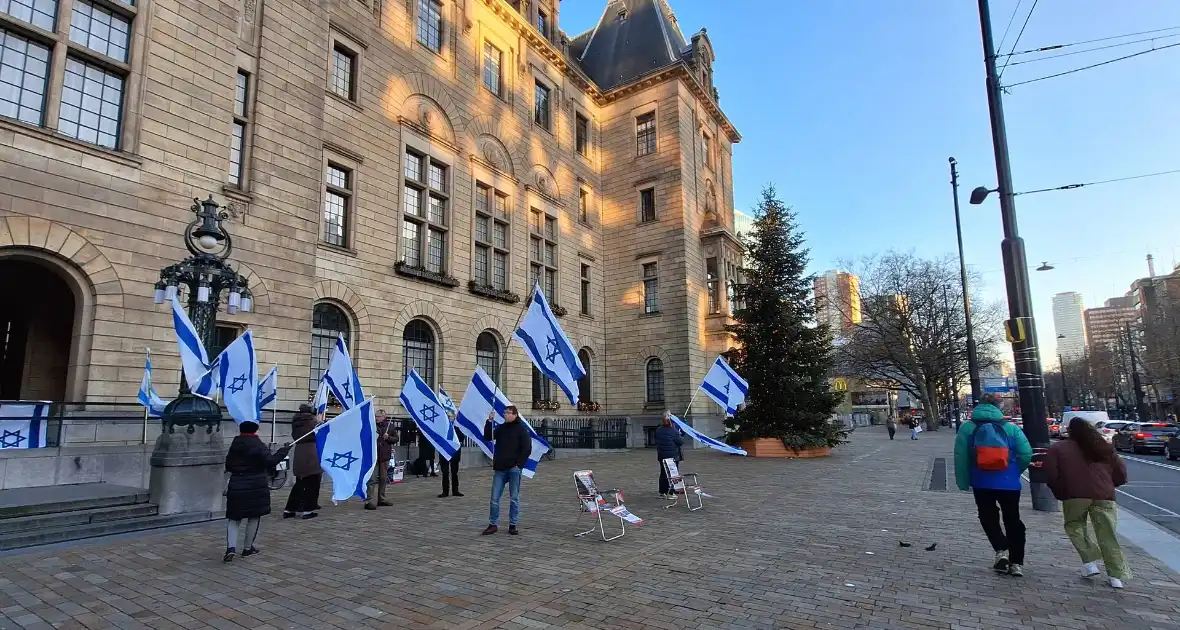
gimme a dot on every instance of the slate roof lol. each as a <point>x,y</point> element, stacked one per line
<point>632,38</point>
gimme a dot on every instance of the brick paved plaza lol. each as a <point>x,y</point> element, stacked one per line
<point>786,544</point>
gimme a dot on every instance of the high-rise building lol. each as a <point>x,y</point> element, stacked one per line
<point>1104,325</point>
<point>837,298</point>
<point>1070,324</point>
<point>398,173</point>
<point>742,222</point>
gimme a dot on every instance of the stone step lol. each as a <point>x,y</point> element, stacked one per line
<point>33,538</point>
<point>75,517</point>
<point>21,502</point>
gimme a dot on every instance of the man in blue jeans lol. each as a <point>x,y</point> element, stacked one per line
<point>512,446</point>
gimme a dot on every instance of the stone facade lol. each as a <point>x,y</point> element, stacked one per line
<point>337,94</point>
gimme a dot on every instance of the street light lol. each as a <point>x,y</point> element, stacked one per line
<point>1045,267</point>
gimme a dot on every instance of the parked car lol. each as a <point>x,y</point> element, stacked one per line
<point>1144,437</point>
<point>1172,448</point>
<point>1109,428</point>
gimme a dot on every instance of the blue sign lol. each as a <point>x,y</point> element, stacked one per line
<point>998,385</point>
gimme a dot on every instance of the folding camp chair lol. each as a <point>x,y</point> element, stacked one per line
<point>591,501</point>
<point>681,486</point>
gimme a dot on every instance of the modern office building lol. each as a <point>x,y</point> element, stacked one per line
<point>1069,324</point>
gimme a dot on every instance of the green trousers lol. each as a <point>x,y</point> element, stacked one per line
<point>1103,517</point>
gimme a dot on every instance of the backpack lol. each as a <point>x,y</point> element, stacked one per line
<point>989,446</point>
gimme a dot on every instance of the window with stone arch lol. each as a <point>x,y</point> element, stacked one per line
<point>487,354</point>
<point>655,380</point>
<point>585,391</point>
<point>418,351</point>
<point>328,322</point>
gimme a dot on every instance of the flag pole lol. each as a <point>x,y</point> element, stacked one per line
<point>148,409</point>
<point>691,401</point>
<point>273,412</point>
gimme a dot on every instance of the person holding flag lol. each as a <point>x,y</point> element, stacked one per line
<point>449,469</point>
<point>247,494</point>
<point>385,443</point>
<point>512,448</point>
<point>668,443</point>
<point>305,495</point>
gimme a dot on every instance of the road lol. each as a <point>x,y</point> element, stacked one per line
<point>1153,489</point>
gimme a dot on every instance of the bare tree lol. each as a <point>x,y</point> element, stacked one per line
<point>912,329</point>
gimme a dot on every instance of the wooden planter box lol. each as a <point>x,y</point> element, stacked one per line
<point>770,447</point>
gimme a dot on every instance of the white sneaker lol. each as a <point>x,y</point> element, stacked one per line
<point>1116,583</point>
<point>1090,569</point>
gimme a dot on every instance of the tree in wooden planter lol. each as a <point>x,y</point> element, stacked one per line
<point>782,351</point>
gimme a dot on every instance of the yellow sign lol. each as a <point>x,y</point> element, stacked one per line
<point>840,384</point>
<point>1014,330</point>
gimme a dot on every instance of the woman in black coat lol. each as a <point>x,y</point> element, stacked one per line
<point>247,495</point>
<point>668,443</point>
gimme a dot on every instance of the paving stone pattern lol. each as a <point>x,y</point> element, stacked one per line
<point>786,544</point>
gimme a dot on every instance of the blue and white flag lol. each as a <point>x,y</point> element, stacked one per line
<point>704,439</point>
<point>347,446</point>
<point>430,416</point>
<point>320,402</point>
<point>548,347</point>
<point>198,372</point>
<point>444,399</point>
<point>341,376</point>
<point>22,424</point>
<point>147,394</point>
<point>480,399</point>
<point>268,390</point>
<point>238,365</point>
<point>725,387</point>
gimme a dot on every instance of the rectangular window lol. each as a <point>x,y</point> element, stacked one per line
<point>543,23</point>
<point>424,212</point>
<point>713,281</point>
<point>707,149</point>
<point>343,72</point>
<point>584,206</point>
<point>581,135</point>
<point>541,105</point>
<point>24,71</point>
<point>647,205</point>
<point>493,59</point>
<point>430,24</point>
<point>39,13</point>
<point>651,288</point>
<point>585,289</point>
<point>91,103</point>
<point>541,390</point>
<point>100,30</point>
<point>543,253</point>
<point>645,134</point>
<point>337,205</point>
<point>491,237</point>
<point>237,148</point>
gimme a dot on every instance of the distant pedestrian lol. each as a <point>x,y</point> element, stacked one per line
<point>915,428</point>
<point>668,444</point>
<point>891,426</point>
<point>304,500</point>
<point>247,495</point>
<point>1083,472</point>
<point>512,448</point>
<point>990,455</point>
<point>386,440</point>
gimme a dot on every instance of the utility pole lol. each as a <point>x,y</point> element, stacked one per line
<point>1140,407</point>
<point>950,339</point>
<point>1030,378</point>
<point>972,359</point>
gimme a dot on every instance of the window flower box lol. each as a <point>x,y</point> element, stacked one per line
<point>421,273</point>
<point>492,293</point>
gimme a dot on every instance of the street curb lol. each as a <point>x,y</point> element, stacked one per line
<point>1154,540</point>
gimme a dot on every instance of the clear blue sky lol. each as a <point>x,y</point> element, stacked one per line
<point>852,107</point>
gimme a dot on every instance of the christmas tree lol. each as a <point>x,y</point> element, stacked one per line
<point>782,351</point>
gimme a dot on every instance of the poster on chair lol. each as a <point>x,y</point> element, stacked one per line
<point>674,475</point>
<point>22,424</point>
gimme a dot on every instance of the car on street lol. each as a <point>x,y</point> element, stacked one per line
<point>1109,428</point>
<point>1144,437</point>
<point>1055,428</point>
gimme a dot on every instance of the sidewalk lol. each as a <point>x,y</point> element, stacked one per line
<point>786,544</point>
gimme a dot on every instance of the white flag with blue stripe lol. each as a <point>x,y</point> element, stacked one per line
<point>320,402</point>
<point>238,368</point>
<point>347,446</point>
<point>480,399</point>
<point>341,376</point>
<point>147,394</point>
<point>725,387</point>
<point>23,424</point>
<point>548,348</point>
<point>444,399</point>
<point>198,372</point>
<point>704,439</point>
<point>268,390</point>
<point>428,413</point>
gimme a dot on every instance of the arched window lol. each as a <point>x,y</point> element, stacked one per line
<point>655,380</point>
<point>487,355</point>
<point>585,393</point>
<point>418,351</point>
<point>328,322</point>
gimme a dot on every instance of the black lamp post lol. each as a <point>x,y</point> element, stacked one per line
<point>205,276</point>
<point>1064,390</point>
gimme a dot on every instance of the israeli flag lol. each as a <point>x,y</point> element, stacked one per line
<point>480,399</point>
<point>268,390</point>
<point>341,377</point>
<point>548,347</point>
<point>320,402</point>
<point>238,367</point>
<point>347,446</point>
<point>704,439</point>
<point>444,399</point>
<point>199,374</point>
<point>430,416</point>
<point>22,424</point>
<point>147,394</point>
<point>725,387</point>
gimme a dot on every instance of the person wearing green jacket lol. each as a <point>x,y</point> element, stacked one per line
<point>996,491</point>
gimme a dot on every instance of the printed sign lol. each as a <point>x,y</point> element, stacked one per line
<point>397,473</point>
<point>674,477</point>
<point>622,512</point>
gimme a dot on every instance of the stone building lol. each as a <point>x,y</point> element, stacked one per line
<point>397,171</point>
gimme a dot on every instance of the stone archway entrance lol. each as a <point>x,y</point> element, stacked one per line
<point>38,313</point>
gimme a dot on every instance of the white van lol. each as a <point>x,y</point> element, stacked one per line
<point>1089,416</point>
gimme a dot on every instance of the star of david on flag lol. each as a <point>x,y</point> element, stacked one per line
<point>238,367</point>
<point>428,413</point>
<point>482,397</point>
<point>22,425</point>
<point>548,348</point>
<point>725,387</point>
<point>147,394</point>
<point>347,446</point>
<point>341,376</point>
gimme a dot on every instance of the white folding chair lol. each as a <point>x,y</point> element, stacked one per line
<point>680,485</point>
<point>591,501</point>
